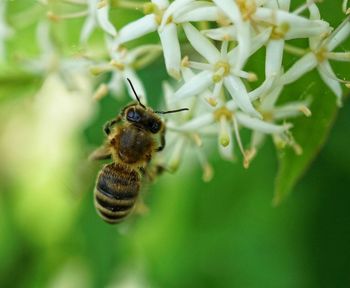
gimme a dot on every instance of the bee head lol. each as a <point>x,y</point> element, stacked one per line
<point>143,118</point>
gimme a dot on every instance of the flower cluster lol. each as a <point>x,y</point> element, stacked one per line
<point>212,78</point>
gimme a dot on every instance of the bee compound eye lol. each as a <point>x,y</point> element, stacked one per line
<point>154,127</point>
<point>133,116</point>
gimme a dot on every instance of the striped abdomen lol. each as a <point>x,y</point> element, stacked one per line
<point>116,192</point>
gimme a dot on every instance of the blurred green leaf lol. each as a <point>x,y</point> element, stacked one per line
<point>310,134</point>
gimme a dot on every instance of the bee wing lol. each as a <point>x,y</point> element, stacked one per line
<point>101,153</point>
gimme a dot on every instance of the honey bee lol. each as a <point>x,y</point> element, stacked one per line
<point>131,143</point>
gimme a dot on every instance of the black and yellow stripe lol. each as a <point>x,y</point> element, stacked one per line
<point>116,192</point>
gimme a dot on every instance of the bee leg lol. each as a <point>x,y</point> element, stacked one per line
<point>162,141</point>
<point>107,127</point>
<point>101,153</point>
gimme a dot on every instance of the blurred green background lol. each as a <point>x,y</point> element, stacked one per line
<point>224,233</point>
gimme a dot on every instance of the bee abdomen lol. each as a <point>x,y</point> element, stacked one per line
<point>116,192</point>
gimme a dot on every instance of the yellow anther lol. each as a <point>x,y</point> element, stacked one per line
<point>97,70</point>
<point>118,65</point>
<point>252,77</point>
<point>185,62</point>
<point>222,111</point>
<point>212,101</point>
<point>249,155</point>
<point>247,7</point>
<point>279,32</point>
<point>222,66</point>
<point>217,78</point>
<point>149,8</point>
<point>267,116</point>
<point>52,16</point>
<point>321,54</point>
<point>169,20</point>
<point>297,149</point>
<point>207,172</point>
<point>197,139</point>
<point>101,4</point>
<point>306,111</point>
<point>101,91</point>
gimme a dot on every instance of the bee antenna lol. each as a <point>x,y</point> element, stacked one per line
<point>137,97</point>
<point>171,111</point>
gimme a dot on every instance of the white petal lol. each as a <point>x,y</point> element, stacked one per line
<point>199,14</point>
<point>301,67</point>
<point>194,86</point>
<point>168,92</point>
<point>136,82</point>
<point>239,94</point>
<point>115,85</point>
<point>339,35</point>
<point>174,6</point>
<point>289,110</point>
<point>256,43</point>
<point>87,29</point>
<point>201,44</point>
<point>257,139</point>
<point>326,71</point>
<point>137,28</point>
<point>222,33</point>
<point>162,4</point>
<point>142,51</point>
<point>105,24</point>
<point>260,125</point>
<point>271,4</point>
<point>232,11</point>
<point>225,141</point>
<point>295,22</point>
<point>284,4</point>
<point>308,31</point>
<point>194,124</point>
<point>262,89</point>
<point>314,12</point>
<point>171,50</point>
<point>230,8</point>
<point>274,55</point>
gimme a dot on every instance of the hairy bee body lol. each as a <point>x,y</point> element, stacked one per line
<point>131,143</point>
<point>116,192</point>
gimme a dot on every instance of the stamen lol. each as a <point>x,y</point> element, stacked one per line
<point>224,137</point>
<point>54,17</point>
<point>239,141</point>
<point>335,32</point>
<point>305,6</point>
<point>305,110</point>
<point>101,91</point>
<point>199,66</point>
<point>250,154</point>
<point>98,70</point>
<point>176,156</point>
<point>75,2</point>
<point>185,62</point>
<point>207,168</point>
<point>101,4</point>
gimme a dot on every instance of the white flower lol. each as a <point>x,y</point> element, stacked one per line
<point>51,61</point>
<point>321,51</point>
<point>97,17</point>
<point>164,18</point>
<point>122,65</point>
<point>219,71</point>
